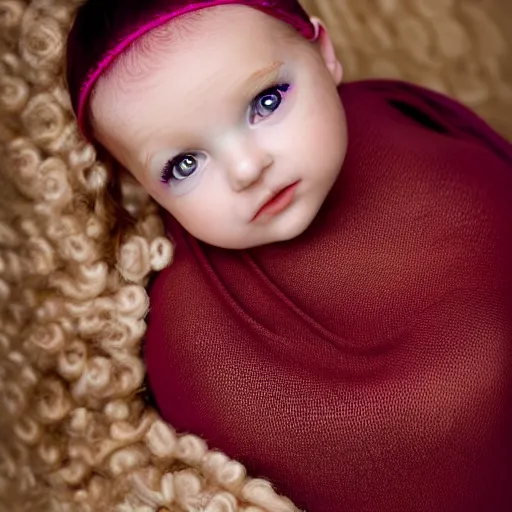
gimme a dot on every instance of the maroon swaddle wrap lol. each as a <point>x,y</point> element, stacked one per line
<point>365,365</point>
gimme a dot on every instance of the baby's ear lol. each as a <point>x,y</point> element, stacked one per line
<point>327,50</point>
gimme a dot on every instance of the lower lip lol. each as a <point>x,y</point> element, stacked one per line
<point>278,203</point>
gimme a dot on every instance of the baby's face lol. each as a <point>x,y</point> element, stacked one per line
<point>224,117</point>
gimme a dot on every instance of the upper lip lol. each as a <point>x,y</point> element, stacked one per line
<point>275,193</point>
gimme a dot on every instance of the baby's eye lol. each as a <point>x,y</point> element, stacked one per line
<point>268,101</point>
<point>180,167</point>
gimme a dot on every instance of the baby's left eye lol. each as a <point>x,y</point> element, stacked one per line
<point>268,101</point>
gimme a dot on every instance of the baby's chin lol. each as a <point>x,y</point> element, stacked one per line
<point>290,226</point>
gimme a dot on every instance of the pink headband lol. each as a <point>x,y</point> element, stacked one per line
<point>132,28</point>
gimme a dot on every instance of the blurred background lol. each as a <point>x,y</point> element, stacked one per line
<point>459,47</point>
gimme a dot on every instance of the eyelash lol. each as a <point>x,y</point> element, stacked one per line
<point>168,170</point>
<point>167,174</point>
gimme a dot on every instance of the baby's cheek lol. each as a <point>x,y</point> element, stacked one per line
<point>326,141</point>
<point>161,195</point>
<point>208,216</point>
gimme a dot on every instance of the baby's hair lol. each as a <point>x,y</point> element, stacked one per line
<point>75,432</point>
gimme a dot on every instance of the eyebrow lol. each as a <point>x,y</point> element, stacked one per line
<point>261,78</point>
<point>261,73</point>
<point>254,84</point>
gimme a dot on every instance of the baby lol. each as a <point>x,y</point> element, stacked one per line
<point>222,116</point>
<point>338,314</point>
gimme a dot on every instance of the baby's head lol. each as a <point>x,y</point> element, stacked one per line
<point>214,111</point>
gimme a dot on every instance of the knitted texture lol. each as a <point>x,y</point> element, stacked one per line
<point>364,365</point>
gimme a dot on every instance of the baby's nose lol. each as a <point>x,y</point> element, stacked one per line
<point>245,164</point>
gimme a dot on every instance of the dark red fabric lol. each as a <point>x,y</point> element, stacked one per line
<point>365,365</point>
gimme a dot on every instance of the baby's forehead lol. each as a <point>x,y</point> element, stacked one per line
<point>196,28</point>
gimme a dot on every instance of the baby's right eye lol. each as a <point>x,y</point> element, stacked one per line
<point>180,167</point>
